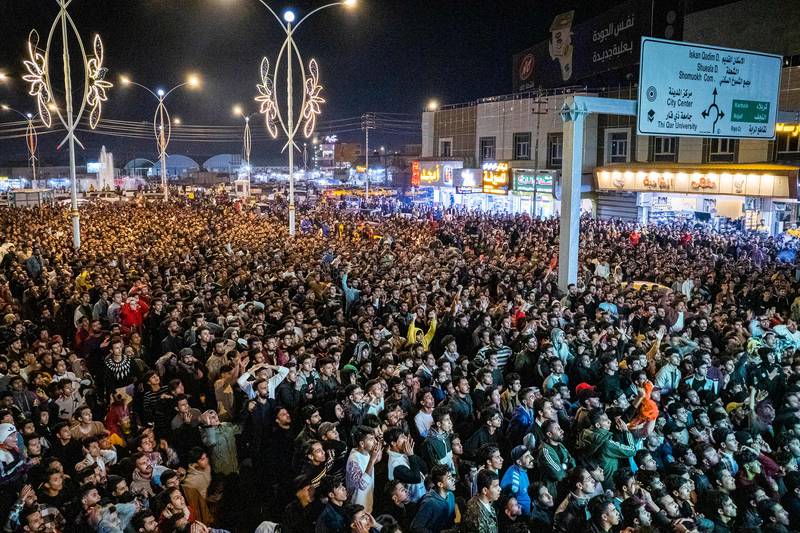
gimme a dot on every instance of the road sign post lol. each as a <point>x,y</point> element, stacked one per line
<point>696,90</point>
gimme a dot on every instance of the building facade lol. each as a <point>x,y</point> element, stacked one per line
<point>626,175</point>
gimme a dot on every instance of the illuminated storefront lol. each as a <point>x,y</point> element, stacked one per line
<point>530,184</point>
<point>707,192</point>
<point>469,189</point>
<point>439,176</point>
<point>496,185</point>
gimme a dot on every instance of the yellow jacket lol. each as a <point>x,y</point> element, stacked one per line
<point>413,330</point>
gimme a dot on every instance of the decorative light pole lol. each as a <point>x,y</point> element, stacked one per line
<point>162,125</point>
<point>310,107</point>
<point>247,141</point>
<point>31,137</point>
<point>92,96</point>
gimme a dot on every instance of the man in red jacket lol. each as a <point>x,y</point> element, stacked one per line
<point>131,316</point>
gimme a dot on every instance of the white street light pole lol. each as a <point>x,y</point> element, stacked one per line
<point>248,144</point>
<point>247,141</point>
<point>93,92</point>
<point>162,125</point>
<point>310,107</point>
<point>367,123</point>
<point>31,137</point>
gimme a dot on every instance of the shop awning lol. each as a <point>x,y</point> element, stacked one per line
<point>743,179</point>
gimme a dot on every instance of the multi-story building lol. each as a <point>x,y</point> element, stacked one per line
<point>518,137</point>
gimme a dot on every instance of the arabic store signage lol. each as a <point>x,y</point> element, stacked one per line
<point>694,90</point>
<point>439,173</point>
<point>695,182</point>
<point>495,178</point>
<point>525,181</point>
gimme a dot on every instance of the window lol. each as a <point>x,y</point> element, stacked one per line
<point>445,147</point>
<point>617,144</point>
<point>722,150</point>
<point>788,145</point>
<point>522,146</point>
<point>665,148</point>
<point>487,148</point>
<point>555,149</point>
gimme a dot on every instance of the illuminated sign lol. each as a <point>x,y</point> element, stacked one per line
<point>793,129</point>
<point>361,169</point>
<point>448,175</point>
<point>467,190</point>
<point>468,178</point>
<point>415,177</point>
<point>735,182</point>
<point>93,168</point>
<point>526,181</point>
<point>429,175</point>
<point>495,178</point>
<point>331,139</point>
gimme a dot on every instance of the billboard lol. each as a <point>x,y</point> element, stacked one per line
<point>576,52</point>
<point>696,90</point>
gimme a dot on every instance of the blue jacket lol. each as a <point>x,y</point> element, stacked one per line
<point>521,422</point>
<point>517,478</point>
<point>435,513</point>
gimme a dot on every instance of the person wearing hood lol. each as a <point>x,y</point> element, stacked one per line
<point>560,346</point>
<point>598,442</point>
<point>220,439</point>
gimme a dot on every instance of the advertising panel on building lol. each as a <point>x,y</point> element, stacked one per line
<point>496,178</point>
<point>578,51</point>
<point>435,173</point>
<point>469,181</point>
<point>528,181</point>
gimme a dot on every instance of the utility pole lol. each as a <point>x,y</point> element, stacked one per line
<point>538,112</point>
<point>367,123</point>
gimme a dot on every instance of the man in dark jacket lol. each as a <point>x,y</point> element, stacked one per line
<point>333,518</point>
<point>437,510</point>
<point>488,433</point>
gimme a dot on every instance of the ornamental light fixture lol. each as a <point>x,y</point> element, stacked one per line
<point>93,93</point>
<point>283,121</point>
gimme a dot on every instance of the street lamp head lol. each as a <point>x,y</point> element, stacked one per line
<point>288,16</point>
<point>124,80</point>
<point>238,111</point>
<point>433,105</point>
<point>160,92</point>
<point>4,107</point>
<point>29,115</point>
<point>52,107</point>
<point>3,77</point>
<point>349,3</point>
<point>194,81</point>
<point>176,121</point>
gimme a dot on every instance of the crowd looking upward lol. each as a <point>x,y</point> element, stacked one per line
<point>193,368</point>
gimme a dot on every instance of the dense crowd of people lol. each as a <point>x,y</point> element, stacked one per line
<point>192,368</point>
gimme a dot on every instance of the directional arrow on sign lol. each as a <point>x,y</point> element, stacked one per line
<point>718,113</point>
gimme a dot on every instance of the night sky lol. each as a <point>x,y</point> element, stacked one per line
<point>385,55</point>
